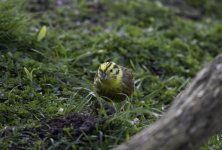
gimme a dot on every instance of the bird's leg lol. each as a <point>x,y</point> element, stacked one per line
<point>103,107</point>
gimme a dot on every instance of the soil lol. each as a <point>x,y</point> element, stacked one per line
<point>70,126</point>
<point>184,10</point>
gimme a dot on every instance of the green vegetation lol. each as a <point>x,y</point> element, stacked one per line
<point>51,76</point>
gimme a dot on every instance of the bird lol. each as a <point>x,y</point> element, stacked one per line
<point>114,82</point>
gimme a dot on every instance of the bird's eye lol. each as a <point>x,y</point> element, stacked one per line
<point>111,70</point>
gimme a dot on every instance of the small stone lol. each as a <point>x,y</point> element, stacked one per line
<point>61,110</point>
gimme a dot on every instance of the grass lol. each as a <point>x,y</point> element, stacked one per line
<point>53,77</point>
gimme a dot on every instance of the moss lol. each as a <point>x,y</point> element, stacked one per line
<point>13,26</point>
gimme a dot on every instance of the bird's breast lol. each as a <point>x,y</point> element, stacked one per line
<point>111,85</point>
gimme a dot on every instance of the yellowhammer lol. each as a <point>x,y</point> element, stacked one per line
<point>113,82</point>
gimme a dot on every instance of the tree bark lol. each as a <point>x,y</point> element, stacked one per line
<point>195,115</point>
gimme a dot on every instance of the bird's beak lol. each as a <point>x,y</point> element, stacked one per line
<point>104,76</point>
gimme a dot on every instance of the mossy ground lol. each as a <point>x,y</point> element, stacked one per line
<point>162,41</point>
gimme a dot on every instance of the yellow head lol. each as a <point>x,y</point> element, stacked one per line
<point>109,72</point>
<point>113,82</point>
